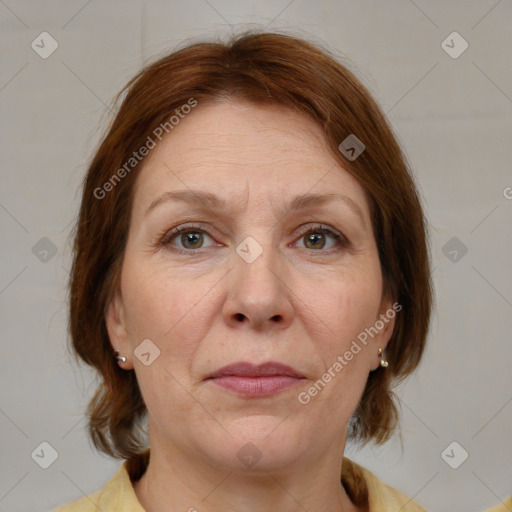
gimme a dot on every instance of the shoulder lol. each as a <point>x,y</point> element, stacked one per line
<point>85,504</point>
<point>505,506</point>
<point>117,494</point>
<point>364,485</point>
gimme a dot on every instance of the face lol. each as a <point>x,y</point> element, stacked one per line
<point>249,278</point>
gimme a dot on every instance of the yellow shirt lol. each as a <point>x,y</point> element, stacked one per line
<point>360,484</point>
<point>506,506</point>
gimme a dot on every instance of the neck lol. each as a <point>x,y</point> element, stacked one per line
<point>175,481</point>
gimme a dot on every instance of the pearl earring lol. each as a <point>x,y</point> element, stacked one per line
<point>119,359</point>
<point>383,362</point>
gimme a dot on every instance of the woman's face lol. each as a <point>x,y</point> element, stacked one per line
<point>248,279</point>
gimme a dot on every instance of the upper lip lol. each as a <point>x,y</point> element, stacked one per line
<point>244,369</point>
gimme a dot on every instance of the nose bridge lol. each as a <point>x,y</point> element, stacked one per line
<point>257,292</point>
<point>256,262</point>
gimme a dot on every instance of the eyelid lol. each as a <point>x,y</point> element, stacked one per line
<point>340,238</point>
<point>169,234</point>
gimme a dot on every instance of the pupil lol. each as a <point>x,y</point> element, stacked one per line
<point>315,238</point>
<point>189,237</point>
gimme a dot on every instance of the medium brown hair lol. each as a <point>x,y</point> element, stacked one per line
<point>266,69</point>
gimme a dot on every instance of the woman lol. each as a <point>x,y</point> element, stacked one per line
<point>251,275</point>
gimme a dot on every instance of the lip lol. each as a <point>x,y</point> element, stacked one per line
<point>244,369</point>
<point>248,380</point>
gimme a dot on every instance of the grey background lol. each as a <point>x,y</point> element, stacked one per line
<point>452,116</point>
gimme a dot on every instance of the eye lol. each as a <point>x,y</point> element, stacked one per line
<point>315,238</point>
<point>190,237</point>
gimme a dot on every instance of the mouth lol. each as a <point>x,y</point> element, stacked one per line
<point>247,380</point>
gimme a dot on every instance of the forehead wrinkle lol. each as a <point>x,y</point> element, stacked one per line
<point>266,153</point>
<point>234,139</point>
<point>307,151</point>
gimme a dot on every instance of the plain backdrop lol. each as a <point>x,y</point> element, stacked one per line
<point>451,113</point>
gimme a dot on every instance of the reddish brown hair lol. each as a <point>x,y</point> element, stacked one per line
<point>264,68</point>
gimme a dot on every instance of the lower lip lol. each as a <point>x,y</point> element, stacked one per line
<point>256,386</point>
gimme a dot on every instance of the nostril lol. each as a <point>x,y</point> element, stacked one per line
<point>240,317</point>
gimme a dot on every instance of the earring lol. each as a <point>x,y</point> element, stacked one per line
<point>383,362</point>
<point>119,359</point>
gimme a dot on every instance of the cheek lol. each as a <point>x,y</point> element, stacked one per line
<point>348,305</point>
<point>348,309</point>
<point>155,300</point>
<point>148,303</point>
<point>168,311</point>
<point>171,310</point>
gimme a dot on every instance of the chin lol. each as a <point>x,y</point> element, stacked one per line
<point>260,442</point>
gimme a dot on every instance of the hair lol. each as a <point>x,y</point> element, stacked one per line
<point>265,69</point>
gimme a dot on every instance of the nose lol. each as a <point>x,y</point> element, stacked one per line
<point>258,296</point>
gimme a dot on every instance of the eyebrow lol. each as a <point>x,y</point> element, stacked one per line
<point>206,200</point>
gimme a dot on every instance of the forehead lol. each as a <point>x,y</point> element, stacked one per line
<point>239,150</point>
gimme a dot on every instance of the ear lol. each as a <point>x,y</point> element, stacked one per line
<point>384,324</point>
<point>117,331</point>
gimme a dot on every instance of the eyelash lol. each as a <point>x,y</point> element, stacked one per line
<point>168,236</point>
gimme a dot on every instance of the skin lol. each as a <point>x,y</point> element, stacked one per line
<point>298,303</point>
